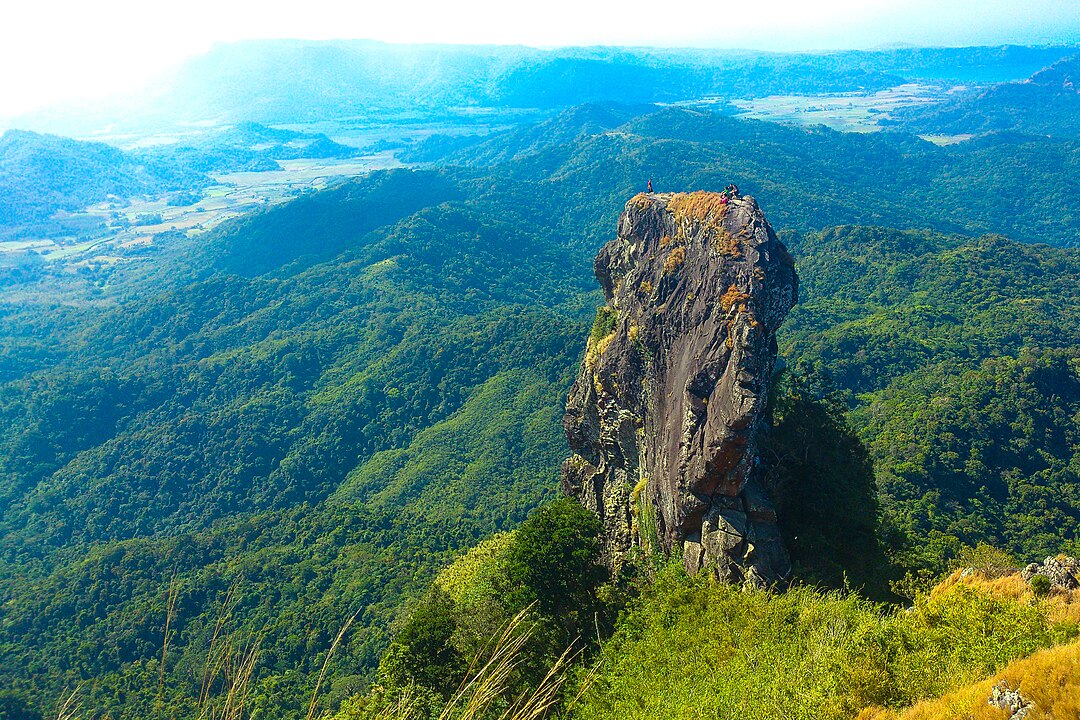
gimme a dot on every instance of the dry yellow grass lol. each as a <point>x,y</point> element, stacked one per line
<point>727,244</point>
<point>602,333</point>
<point>1061,605</point>
<point>1049,678</point>
<point>599,348</point>
<point>699,206</point>
<point>733,298</point>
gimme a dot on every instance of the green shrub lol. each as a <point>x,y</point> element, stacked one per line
<point>986,559</point>
<point>555,562</point>
<point>544,577</point>
<point>604,324</point>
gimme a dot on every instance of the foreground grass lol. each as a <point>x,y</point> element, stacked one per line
<point>692,649</point>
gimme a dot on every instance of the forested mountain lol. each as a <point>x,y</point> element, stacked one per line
<point>1047,103</point>
<point>308,411</point>
<point>813,177</point>
<point>42,174</point>
<point>221,399</point>
<point>959,360</point>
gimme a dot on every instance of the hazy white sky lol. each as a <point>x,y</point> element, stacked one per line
<point>53,50</point>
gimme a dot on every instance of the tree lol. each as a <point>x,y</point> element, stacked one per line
<point>555,562</point>
<point>423,652</point>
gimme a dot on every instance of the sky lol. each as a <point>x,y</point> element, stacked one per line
<point>55,51</point>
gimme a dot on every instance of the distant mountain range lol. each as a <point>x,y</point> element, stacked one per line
<point>290,81</point>
<point>1047,103</point>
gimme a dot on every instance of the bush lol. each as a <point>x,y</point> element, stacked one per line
<point>1040,585</point>
<point>423,653</point>
<point>555,562</point>
<point>544,577</point>
<point>986,559</point>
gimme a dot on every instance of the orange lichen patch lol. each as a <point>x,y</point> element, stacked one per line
<point>642,201</point>
<point>675,259</point>
<point>665,241</point>
<point>646,287</point>
<point>727,244</point>
<point>733,297</point>
<point>1050,679</point>
<point>1061,605</point>
<point>700,206</point>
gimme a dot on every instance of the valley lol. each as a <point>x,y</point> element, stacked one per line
<point>127,227</point>
<point>845,112</point>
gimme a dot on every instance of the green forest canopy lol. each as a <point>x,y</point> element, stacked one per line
<point>319,405</point>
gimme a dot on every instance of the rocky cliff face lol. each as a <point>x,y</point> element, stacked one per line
<point>664,414</point>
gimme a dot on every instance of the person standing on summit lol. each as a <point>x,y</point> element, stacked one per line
<point>649,190</point>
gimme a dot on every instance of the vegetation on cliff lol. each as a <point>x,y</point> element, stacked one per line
<point>684,646</point>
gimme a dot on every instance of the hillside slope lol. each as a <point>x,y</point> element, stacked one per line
<point>805,654</point>
<point>1047,104</point>
<point>807,179</point>
<point>324,402</point>
<point>43,174</point>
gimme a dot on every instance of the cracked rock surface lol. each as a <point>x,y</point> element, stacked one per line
<point>663,417</point>
<point>1062,571</point>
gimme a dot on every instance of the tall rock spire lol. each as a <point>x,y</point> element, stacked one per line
<point>663,417</point>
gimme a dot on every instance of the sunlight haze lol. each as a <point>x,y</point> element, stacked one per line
<point>56,51</point>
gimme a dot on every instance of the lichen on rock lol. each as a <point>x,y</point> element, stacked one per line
<point>664,415</point>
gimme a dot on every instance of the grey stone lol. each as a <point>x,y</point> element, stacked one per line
<point>1005,698</point>
<point>1062,571</point>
